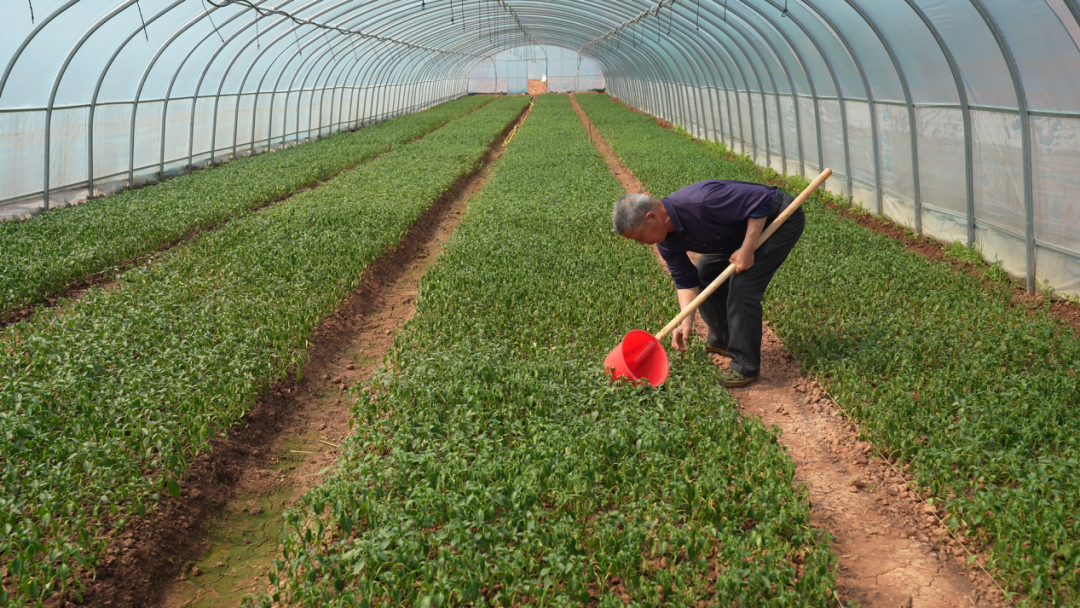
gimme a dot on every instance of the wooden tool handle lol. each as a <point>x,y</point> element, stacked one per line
<point>730,270</point>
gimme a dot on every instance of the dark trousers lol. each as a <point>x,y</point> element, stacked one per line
<point>733,312</point>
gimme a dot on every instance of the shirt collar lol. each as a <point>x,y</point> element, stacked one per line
<point>675,221</point>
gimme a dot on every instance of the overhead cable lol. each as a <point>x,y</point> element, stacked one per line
<point>348,32</point>
<point>614,31</point>
<point>143,19</point>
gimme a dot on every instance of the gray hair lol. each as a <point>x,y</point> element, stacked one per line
<point>629,211</point>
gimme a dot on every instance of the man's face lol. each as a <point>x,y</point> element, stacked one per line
<point>650,233</point>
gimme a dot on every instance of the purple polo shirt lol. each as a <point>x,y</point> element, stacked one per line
<point>709,217</point>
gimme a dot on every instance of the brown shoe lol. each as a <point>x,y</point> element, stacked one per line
<point>730,378</point>
<point>716,350</point>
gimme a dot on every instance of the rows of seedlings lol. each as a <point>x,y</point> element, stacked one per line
<point>494,463</point>
<point>43,255</point>
<point>975,396</point>
<point>103,402</point>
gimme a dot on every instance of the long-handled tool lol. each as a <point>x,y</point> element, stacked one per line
<point>640,356</point>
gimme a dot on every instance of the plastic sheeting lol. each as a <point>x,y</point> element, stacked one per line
<point>957,118</point>
<point>509,71</point>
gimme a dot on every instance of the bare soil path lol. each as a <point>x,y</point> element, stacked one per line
<point>891,548</point>
<point>215,544</point>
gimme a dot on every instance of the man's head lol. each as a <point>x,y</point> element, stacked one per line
<point>641,218</point>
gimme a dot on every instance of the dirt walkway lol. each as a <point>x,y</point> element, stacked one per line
<point>891,548</point>
<point>216,543</point>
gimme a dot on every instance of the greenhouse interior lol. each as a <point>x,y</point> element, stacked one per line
<point>351,303</point>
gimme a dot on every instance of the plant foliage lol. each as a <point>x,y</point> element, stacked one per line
<point>494,462</point>
<point>45,254</point>
<point>104,402</point>
<point>977,394</point>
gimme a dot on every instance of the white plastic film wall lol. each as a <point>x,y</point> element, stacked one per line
<point>509,71</point>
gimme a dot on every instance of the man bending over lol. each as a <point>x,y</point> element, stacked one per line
<point>721,220</point>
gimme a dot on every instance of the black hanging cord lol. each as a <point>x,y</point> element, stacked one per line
<point>725,11</point>
<point>451,11</point>
<point>258,44</point>
<point>139,6</point>
<point>697,17</point>
<point>298,47</point>
<point>30,2</point>
<point>207,9</point>
<point>670,16</point>
<point>783,13</point>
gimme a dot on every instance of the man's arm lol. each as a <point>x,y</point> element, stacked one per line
<point>743,258</point>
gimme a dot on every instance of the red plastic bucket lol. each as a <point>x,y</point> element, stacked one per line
<point>638,358</point>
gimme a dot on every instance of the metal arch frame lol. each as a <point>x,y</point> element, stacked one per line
<point>199,83</point>
<point>781,60</point>
<point>262,79</point>
<point>247,73</point>
<point>313,39</point>
<point>810,81</point>
<point>344,20</point>
<point>93,108</point>
<point>868,91</point>
<point>195,93</point>
<point>660,72</point>
<point>232,37</point>
<point>685,70</point>
<point>63,70</point>
<point>643,92</point>
<point>30,38</point>
<point>408,53</point>
<point>56,13</point>
<point>1025,132</point>
<point>172,80</point>
<point>1074,8</point>
<point>776,90</point>
<point>318,61</point>
<point>839,93</point>
<point>965,110</point>
<point>138,94</point>
<point>731,59</point>
<point>780,63</point>
<point>681,47</point>
<point>727,59</point>
<point>747,59</point>
<point>916,187</point>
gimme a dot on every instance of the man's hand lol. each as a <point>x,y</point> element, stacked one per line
<point>680,337</point>
<point>743,259</point>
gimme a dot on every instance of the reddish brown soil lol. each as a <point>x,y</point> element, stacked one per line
<point>77,288</point>
<point>536,87</point>
<point>142,561</point>
<point>892,550</point>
